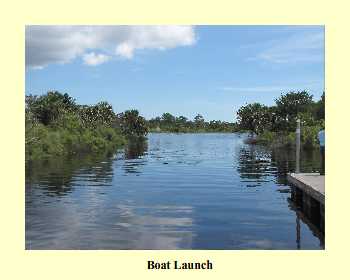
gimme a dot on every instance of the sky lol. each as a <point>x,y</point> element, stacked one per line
<point>183,70</point>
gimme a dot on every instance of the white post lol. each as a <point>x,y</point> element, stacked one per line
<point>297,155</point>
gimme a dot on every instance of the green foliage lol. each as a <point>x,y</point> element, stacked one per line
<point>254,117</point>
<point>275,125</point>
<point>319,108</point>
<point>289,106</point>
<point>199,121</point>
<point>309,136</point>
<point>48,108</point>
<point>96,115</point>
<point>132,124</point>
<point>168,119</point>
<point>55,126</point>
<point>266,137</point>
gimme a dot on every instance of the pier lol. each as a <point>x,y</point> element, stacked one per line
<point>308,194</point>
<point>310,183</point>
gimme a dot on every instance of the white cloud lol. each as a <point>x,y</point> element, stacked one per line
<point>62,44</point>
<point>95,59</point>
<point>299,47</point>
<point>125,50</point>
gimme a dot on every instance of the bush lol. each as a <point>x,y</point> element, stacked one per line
<point>56,126</point>
<point>309,136</point>
<point>266,137</point>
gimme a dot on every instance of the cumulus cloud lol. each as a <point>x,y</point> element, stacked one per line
<point>95,59</point>
<point>62,44</point>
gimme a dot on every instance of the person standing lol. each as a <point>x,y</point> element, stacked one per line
<point>321,140</point>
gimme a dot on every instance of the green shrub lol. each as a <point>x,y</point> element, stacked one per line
<point>266,137</point>
<point>56,126</point>
<point>309,136</point>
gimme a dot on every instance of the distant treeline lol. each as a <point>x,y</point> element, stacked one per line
<point>276,124</point>
<point>169,123</point>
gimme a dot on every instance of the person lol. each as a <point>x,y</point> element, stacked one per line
<point>321,140</point>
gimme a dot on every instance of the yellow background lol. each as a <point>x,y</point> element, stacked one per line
<point>16,263</point>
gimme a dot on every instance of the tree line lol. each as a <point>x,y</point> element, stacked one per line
<point>276,124</point>
<point>56,125</point>
<point>170,123</point>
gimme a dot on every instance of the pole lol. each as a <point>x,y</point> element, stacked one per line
<point>297,155</point>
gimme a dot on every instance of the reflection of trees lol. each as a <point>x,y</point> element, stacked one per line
<point>134,151</point>
<point>136,148</point>
<point>256,161</point>
<point>284,161</point>
<point>253,163</point>
<point>311,160</point>
<point>58,176</point>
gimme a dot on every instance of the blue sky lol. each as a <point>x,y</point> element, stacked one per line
<point>184,70</point>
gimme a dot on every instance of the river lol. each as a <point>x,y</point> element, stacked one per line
<point>175,191</point>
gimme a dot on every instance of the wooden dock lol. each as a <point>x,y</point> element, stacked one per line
<point>310,183</point>
<point>308,194</point>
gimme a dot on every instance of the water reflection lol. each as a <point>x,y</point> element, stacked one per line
<point>258,165</point>
<point>314,224</point>
<point>192,191</point>
<point>59,176</point>
<point>134,152</point>
<point>253,165</point>
<point>136,148</point>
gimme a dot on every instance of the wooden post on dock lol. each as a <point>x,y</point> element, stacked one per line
<point>297,155</point>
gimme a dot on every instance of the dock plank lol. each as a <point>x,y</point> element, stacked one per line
<point>311,183</point>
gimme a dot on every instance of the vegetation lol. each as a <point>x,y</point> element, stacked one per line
<point>169,123</point>
<point>131,124</point>
<point>276,124</point>
<point>56,125</point>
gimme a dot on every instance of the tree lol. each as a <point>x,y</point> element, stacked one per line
<point>215,125</point>
<point>199,121</point>
<point>289,105</point>
<point>154,122</point>
<point>168,119</point>
<point>132,124</point>
<point>99,114</point>
<point>319,111</point>
<point>254,117</point>
<point>181,120</point>
<point>50,107</point>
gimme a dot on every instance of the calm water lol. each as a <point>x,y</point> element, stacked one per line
<point>176,191</point>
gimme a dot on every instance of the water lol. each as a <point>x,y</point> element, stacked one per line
<point>176,191</point>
